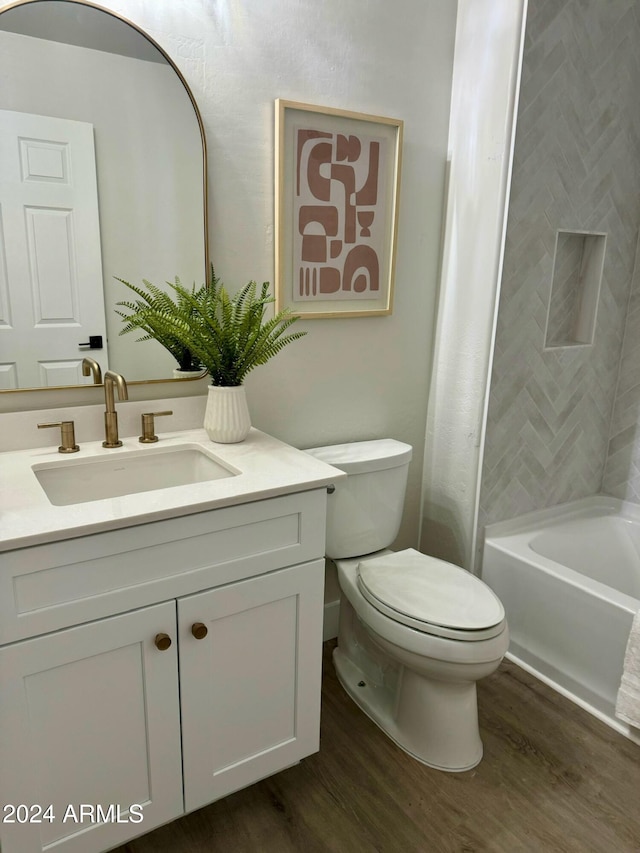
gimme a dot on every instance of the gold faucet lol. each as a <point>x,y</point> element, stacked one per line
<point>91,367</point>
<point>110,415</point>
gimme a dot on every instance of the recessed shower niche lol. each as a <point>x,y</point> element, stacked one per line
<point>575,289</point>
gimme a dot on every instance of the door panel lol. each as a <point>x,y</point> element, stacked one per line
<point>51,288</point>
<point>90,716</point>
<point>251,688</point>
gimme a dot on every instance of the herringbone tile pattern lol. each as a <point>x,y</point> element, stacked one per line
<point>576,168</point>
<point>622,472</point>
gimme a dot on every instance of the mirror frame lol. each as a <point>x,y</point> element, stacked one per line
<point>5,8</point>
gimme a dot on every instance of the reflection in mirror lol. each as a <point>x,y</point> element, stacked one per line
<point>102,175</point>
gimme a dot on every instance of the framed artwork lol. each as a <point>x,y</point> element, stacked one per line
<point>337,187</point>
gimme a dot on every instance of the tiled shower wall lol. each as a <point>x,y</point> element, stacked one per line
<point>576,169</point>
<point>622,472</point>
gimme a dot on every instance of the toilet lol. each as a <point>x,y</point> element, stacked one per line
<point>415,633</point>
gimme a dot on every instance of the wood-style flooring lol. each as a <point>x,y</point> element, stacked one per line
<point>553,778</point>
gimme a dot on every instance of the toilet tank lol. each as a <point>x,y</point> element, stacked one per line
<point>364,512</point>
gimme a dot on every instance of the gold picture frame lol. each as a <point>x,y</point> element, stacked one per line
<point>337,184</point>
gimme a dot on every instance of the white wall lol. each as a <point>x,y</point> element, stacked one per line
<point>349,378</point>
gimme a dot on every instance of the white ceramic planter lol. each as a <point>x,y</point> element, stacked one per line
<point>226,417</point>
<point>187,374</point>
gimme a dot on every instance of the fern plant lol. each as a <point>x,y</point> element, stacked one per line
<point>154,313</point>
<point>227,334</point>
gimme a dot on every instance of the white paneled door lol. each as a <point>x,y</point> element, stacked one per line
<point>51,286</point>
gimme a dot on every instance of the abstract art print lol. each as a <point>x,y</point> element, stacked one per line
<point>337,185</point>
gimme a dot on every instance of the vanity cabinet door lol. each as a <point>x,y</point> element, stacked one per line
<point>90,716</point>
<point>250,687</point>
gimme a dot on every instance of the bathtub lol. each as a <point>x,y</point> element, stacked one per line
<point>569,579</point>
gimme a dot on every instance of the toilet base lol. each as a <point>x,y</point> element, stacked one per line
<point>433,721</point>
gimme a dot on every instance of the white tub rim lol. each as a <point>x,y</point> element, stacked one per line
<point>513,536</point>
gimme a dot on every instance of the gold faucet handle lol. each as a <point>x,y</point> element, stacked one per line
<point>68,437</point>
<point>148,427</point>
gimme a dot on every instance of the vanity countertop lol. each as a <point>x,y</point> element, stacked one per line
<point>267,468</point>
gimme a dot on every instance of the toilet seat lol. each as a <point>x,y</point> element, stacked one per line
<point>431,596</point>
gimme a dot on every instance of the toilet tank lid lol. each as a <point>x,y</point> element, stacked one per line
<point>357,457</point>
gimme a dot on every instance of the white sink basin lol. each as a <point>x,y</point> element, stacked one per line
<point>122,473</point>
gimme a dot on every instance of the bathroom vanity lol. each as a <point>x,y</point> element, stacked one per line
<point>158,650</point>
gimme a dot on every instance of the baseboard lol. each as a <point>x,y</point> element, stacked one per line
<point>331,617</point>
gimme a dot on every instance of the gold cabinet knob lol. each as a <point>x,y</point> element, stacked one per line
<point>199,630</point>
<point>162,641</point>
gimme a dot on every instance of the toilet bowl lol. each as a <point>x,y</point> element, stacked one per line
<point>416,684</point>
<point>415,633</point>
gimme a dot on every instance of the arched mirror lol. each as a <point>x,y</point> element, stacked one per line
<point>102,176</point>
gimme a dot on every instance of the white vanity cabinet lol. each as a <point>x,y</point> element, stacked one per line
<point>250,689</point>
<point>89,715</point>
<point>153,669</point>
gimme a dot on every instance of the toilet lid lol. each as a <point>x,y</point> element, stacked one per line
<point>431,595</point>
